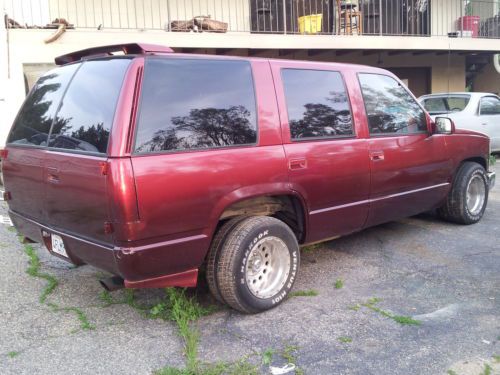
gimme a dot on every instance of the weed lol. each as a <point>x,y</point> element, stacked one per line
<point>493,160</point>
<point>487,370</point>
<point>339,284</point>
<point>345,339</point>
<point>107,298</point>
<point>84,322</point>
<point>13,354</point>
<point>309,249</point>
<point>34,270</point>
<point>267,357</point>
<point>304,293</point>
<point>355,307</point>
<point>404,320</point>
<point>451,372</point>
<point>496,358</point>
<point>12,229</point>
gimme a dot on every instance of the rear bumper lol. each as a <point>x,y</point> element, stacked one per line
<point>162,264</point>
<point>491,179</point>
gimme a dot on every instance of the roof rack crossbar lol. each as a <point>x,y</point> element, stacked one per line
<point>127,49</point>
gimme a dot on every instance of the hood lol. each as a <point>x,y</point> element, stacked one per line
<point>469,132</point>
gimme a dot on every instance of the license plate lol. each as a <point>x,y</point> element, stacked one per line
<point>58,245</point>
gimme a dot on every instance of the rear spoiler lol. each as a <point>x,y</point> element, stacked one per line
<point>126,49</point>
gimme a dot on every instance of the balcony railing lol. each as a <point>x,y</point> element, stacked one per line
<point>453,18</point>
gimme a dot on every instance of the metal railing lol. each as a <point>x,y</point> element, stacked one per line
<point>454,18</point>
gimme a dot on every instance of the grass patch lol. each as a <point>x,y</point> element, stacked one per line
<point>404,320</point>
<point>289,354</point>
<point>355,307</point>
<point>13,354</point>
<point>309,249</point>
<point>176,306</point>
<point>34,270</point>
<point>451,372</point>
<point>304,293</point>
<point>52,282</point>
<point>496,358</point>
<point>267,357</point>
<point>487,370</point>
<point>84,322</point>
<point>345,339</point>
<point>12,229</point>
<point>493,160</point>
<point>339,284</point>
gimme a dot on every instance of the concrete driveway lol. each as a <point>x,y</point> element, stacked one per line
<point>445,276</point>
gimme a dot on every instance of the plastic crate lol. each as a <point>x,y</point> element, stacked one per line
<point>310,24</point>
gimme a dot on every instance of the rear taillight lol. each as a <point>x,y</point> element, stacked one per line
<point>3,153</point>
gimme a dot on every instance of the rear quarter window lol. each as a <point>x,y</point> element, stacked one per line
<point>33,122</point>
<point>84,120</point>
<point>196,104</point>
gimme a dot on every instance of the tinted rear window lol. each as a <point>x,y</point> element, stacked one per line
<point>84,120</point>
<point>33,122</point>
<point>196,104</point>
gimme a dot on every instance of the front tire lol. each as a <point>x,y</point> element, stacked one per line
<point>467,200</point>
<point>257,264</point>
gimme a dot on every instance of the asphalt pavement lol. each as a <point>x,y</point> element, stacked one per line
<point>445,276</point>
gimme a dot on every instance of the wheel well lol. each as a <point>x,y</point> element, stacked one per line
<point>481,161</point>
<point>286,208</point>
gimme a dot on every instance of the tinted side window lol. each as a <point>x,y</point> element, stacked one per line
<point>33,122</point>
<point>88,107</point>
<point>195,104</point>
<point>490,106</point>
<point>317,104</point>
<point>389,107</point>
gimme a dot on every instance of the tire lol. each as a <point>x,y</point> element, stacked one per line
<point>213,255</point>
<point>258,264</point>
<point>471,177</point>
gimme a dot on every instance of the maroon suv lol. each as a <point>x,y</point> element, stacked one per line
<point>151,164</point>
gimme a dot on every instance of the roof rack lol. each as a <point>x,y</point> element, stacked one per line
<point>127,49</point>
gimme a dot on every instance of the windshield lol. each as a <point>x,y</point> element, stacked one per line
<point>446,104</point>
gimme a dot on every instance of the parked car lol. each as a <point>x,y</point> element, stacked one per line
<point>476,111</point>
<point>153,164</point>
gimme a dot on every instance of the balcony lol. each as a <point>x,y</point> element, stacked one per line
<point>418,18</point>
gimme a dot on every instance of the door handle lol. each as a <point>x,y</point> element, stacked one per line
<point>52,175</point>
<point>52,178</point>
<point>297,163</point>
<point>377,155</point>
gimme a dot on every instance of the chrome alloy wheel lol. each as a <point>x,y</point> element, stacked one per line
<point>267,267</point>
<point>476,194</point>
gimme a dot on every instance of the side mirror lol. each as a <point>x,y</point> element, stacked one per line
<point>444,125</point>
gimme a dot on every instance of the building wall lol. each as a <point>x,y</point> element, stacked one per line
<point>28,47</point>
<point>488,80</point>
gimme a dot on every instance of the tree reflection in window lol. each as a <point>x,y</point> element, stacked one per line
<point>390,108</point>
<point>317,104</point>
<point>196,104</point>
<point>33,122</point>
<point>84,120</point>
<point>204,128</point>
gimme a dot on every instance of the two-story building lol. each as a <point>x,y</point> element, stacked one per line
<point>433,45</point>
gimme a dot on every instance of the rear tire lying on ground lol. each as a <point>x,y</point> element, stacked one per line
<point>468,196</point>
<point>257,264</point>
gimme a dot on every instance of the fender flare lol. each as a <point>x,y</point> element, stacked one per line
<point>249,192</point>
